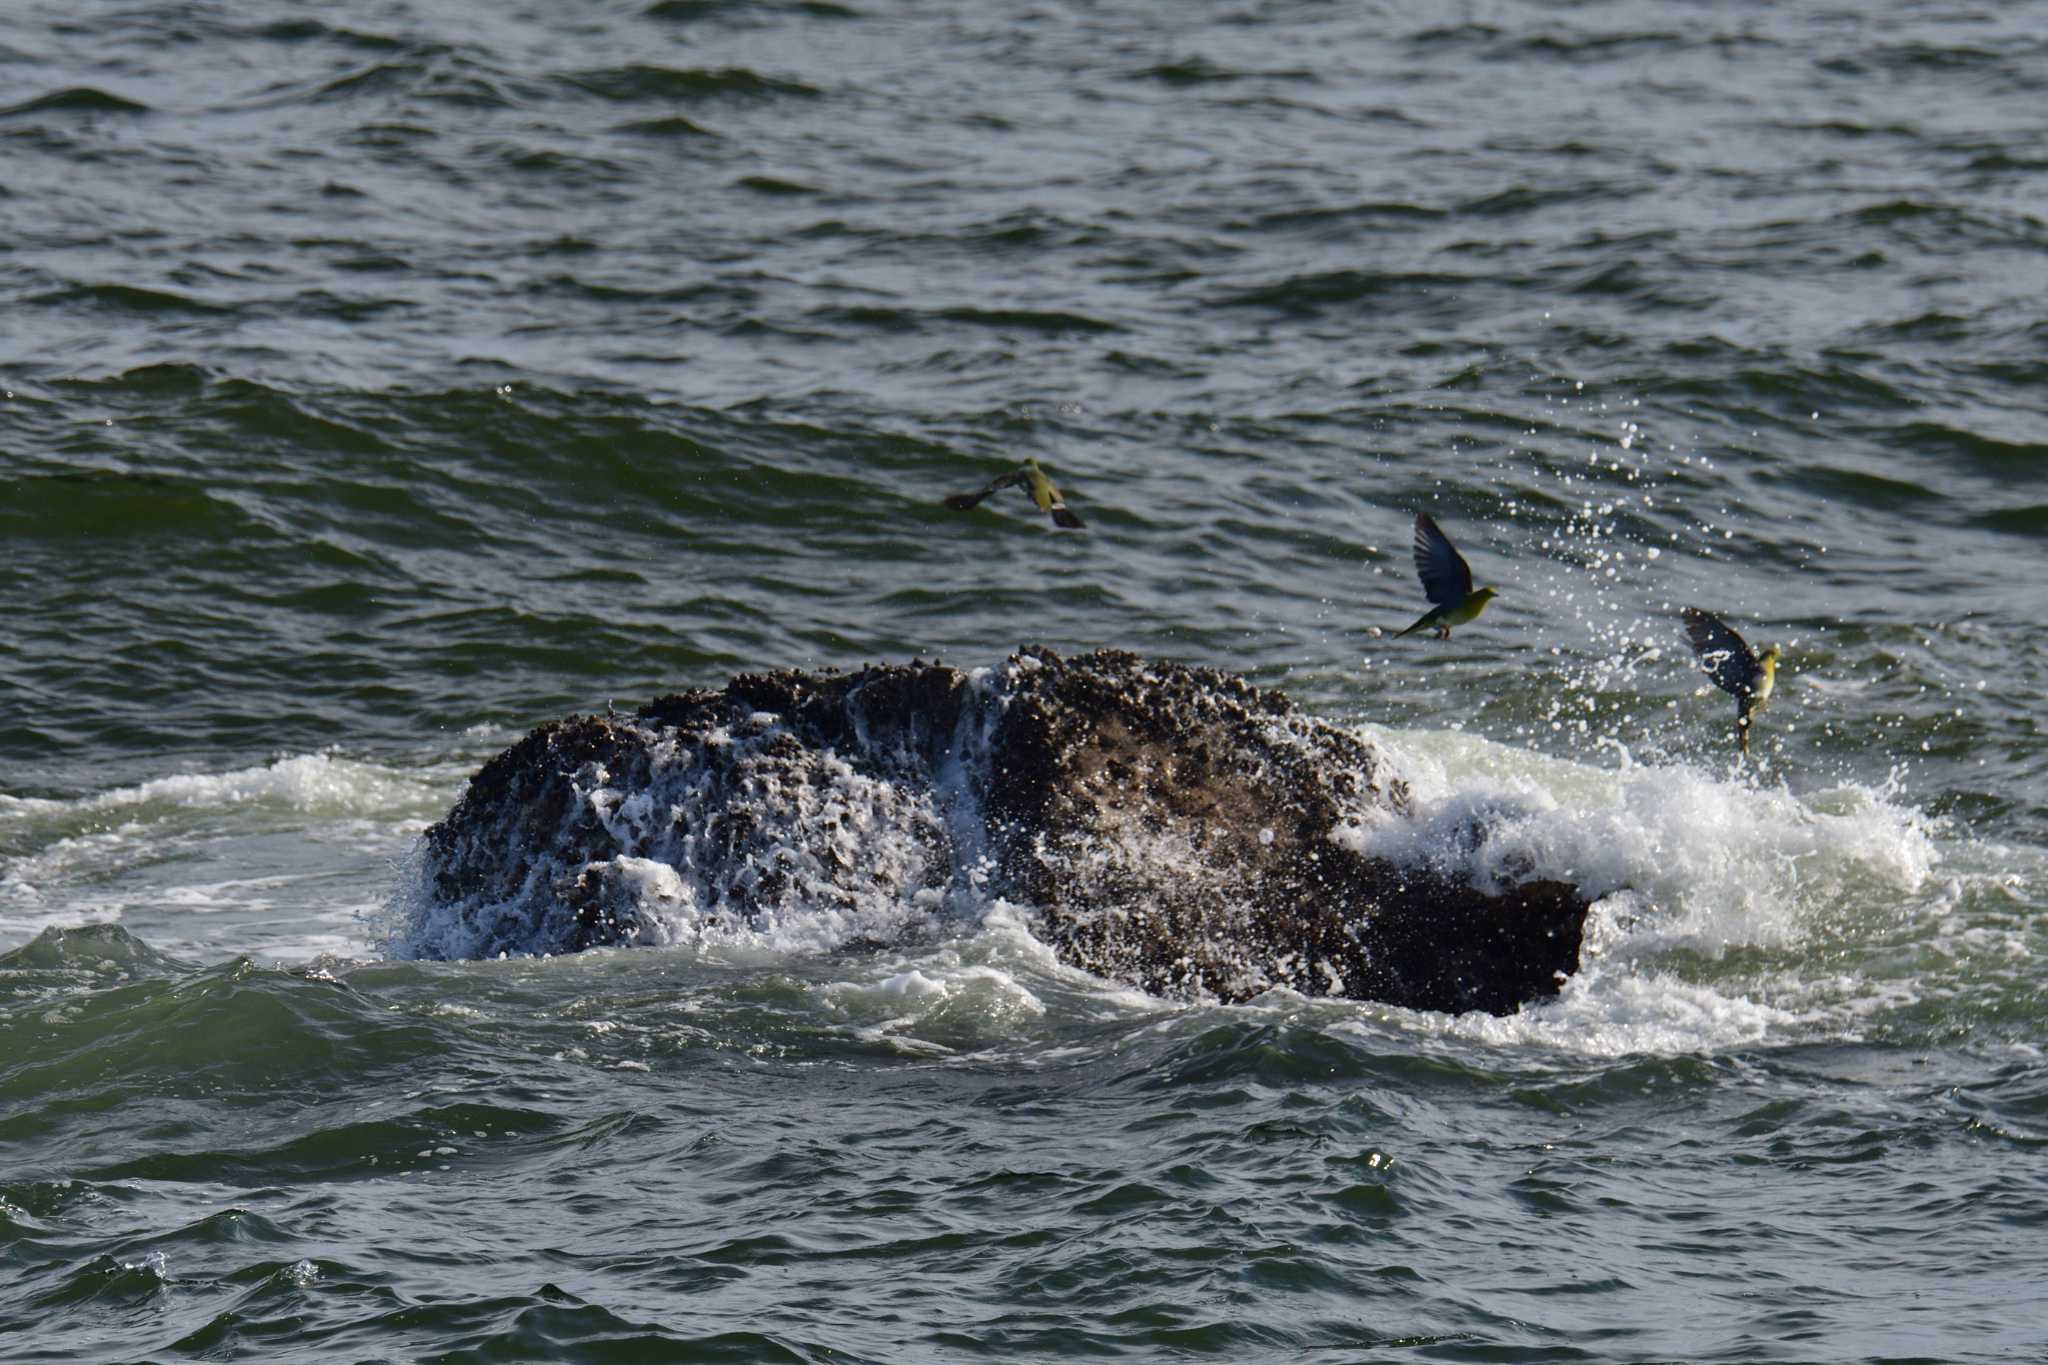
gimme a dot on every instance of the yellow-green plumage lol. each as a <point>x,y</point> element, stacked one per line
<point>1767,678</point>
<point>1462,613</point>
<point>1446,581</point>
<point>1047,496</point>
<point>1035,482</point>
<point>1727,659</point>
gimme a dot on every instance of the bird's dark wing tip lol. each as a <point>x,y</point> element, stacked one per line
<point>1062,517</point>
<point>1446,577</point>
<point>963,502</point>
<point>1704,629</point>
<point>1720,650</point>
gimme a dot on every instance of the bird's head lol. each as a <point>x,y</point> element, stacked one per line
<point>1482,596</point>
<point>1769,658</point>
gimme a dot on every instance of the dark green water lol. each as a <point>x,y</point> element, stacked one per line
<point>382,380</point>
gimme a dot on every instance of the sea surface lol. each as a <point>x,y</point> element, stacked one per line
<point>381,380</point>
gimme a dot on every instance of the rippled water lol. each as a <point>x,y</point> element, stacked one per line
<point>383,380</point>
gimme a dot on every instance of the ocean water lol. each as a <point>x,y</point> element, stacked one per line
<point>379,381</point>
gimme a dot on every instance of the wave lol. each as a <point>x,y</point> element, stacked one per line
<point>1712,890</point>
<point>1684,855</point>
<point>746,11</point>
<point>303,30</point>
<point>1194,71</point>
<point>99,506</point>
<point>642,83</point>
<point>1334,289</point>
<point>81,99</point>
<point>276,859</point>
<point>305,783</point>
<point>1730,913</point>
<point>124,298</point>
<point>1990,454</point>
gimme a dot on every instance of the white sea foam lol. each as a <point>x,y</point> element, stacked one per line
<point>278,856</point>
<point>1682,862</point>
<point>961,997</point>
<point>1612,1010</point>
<point>848,857</point>
<point>1687,866</point>
<point>323,783</point>
<point>1687,854</point>
<point>1690,865</point>
<point>153,1264</point>
<point>830,853</point>
<point>933,984</point>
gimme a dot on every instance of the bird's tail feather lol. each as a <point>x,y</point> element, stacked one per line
<point>1428,620</point>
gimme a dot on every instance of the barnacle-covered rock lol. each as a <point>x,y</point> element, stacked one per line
<point>1174,828</point>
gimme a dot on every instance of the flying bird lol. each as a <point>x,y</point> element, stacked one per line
<point>1446,581</point>
<point>1727,660</point>
<point>1034,481</point>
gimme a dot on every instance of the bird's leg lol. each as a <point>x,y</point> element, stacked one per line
<point>1443,632</point>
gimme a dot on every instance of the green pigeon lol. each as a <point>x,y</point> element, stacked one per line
<point>1034,481</point>
<point>1727,659</point>
<point>1446,581</point>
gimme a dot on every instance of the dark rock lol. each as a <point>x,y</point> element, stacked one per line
<point>1173,828</point>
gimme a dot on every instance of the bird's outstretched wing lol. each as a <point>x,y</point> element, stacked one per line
<point>1446,577</point>
<point>961,502</point>
<point>1721,652</point>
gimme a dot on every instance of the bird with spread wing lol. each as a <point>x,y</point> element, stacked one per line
<point>1035,482</point>
<point>1727,659</point>
<point>1446,581</point>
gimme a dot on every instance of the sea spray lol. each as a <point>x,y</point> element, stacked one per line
<point>1172,828</point>
<point>1714,860</point>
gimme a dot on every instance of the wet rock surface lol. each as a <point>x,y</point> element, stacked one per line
<point>1173,828</point>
